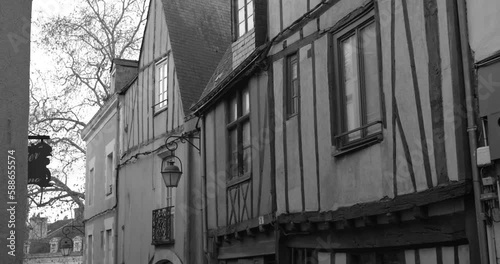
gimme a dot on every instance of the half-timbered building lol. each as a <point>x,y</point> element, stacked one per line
<point>346,131</point>
<point>236,149</point>
<point>370,135</point>
<point>182,44</point>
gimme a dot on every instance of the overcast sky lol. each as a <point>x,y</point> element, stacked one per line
<point>41,61</point>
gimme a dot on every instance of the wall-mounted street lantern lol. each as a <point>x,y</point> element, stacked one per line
<point>66,246</point>
<point>170,172</point>
<point>66,243</point>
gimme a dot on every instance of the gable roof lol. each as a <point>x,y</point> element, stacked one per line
<point>199,33</point>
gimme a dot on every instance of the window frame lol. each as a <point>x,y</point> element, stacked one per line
<point>108,247</point>
<point>289,95</point>
<point>236,22</point>
<point>109,169</point>
<point>339,126</point>
<point>237,124</point>
<point>90,249</point>
<point>91,182</point>
<point>163,88</point>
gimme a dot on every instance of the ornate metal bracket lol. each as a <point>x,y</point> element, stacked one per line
<point>171,141</point>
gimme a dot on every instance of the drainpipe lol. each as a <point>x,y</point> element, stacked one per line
<point>187,194</point>
<point>204,194</point>
<point>117,149</point>
<point>471,130</point>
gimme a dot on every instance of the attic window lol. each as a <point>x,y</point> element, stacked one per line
<point>161,89</point>
<point>244,16</point>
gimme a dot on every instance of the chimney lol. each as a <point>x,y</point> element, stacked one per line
<point>78,213</point>
<point>122,72</point>
<point>38,227</point>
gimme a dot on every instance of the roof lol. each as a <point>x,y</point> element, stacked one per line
<point>224,74</point>
<point>125,62</point>
<point>40,246</point>
<point>199,33</point>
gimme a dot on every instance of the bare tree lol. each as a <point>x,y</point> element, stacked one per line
<point>82,46</point>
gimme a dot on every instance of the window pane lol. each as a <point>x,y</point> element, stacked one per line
<point>250,23</point>
<point>362,259</point>
<point>247,160</point>
<point>165,72</point>
<point>233,147</point>
<point>294,73</point>
<point>293,84</point>
<point>246,147</point>
<point>241,29</point>
<point>245,97</point>
<point>241,15</point>
<point>351,86</point>
<point>295,105</point>
<point>241,3</point>
<point>371,78</point>
<point>249,8</point>
<point>295,88</point>
<point>246,134</point>
<point>233,109</point>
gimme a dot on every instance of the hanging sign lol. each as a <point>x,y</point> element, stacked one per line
<point>38,173</point>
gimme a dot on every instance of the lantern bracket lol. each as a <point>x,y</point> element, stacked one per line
<point>171,141</point>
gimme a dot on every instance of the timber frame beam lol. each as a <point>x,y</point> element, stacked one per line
<point>367,211</point>
<point>246,228</point>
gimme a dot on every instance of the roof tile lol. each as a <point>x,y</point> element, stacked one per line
<point>199,32</point>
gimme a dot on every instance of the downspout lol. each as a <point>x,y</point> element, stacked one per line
<point>471,129</point>
<point>117,149</point>
<point>188,207</point>
<point>204,194</point>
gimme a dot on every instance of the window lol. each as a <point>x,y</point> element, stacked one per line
<point>102,241</point>
<point>390,257</point>
<point>91,186</point>
<point>109,250</point>
<point>244,16</point>
<point>239,141</point>
<point>304,256</point>
<point>54,244</point>
<point>27,247</point>
<point>90,253</point>
<point>161,85</point>
<point>77,242</point>
<point>292,85</point>
<point>171,207</point>
<point>170,196</point>
<point>356,64</point>
<point>109,174</point>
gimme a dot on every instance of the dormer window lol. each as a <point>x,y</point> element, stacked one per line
<point>244,16</point>
<point>54,245</point>
<point>77,244</point>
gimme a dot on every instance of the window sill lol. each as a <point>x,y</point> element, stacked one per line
<point>163,243</point>
<point>159,111</point>
<point>238,39</point>
<point>360,144</point>
<point>238,180</point>
<point>290,116</point>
